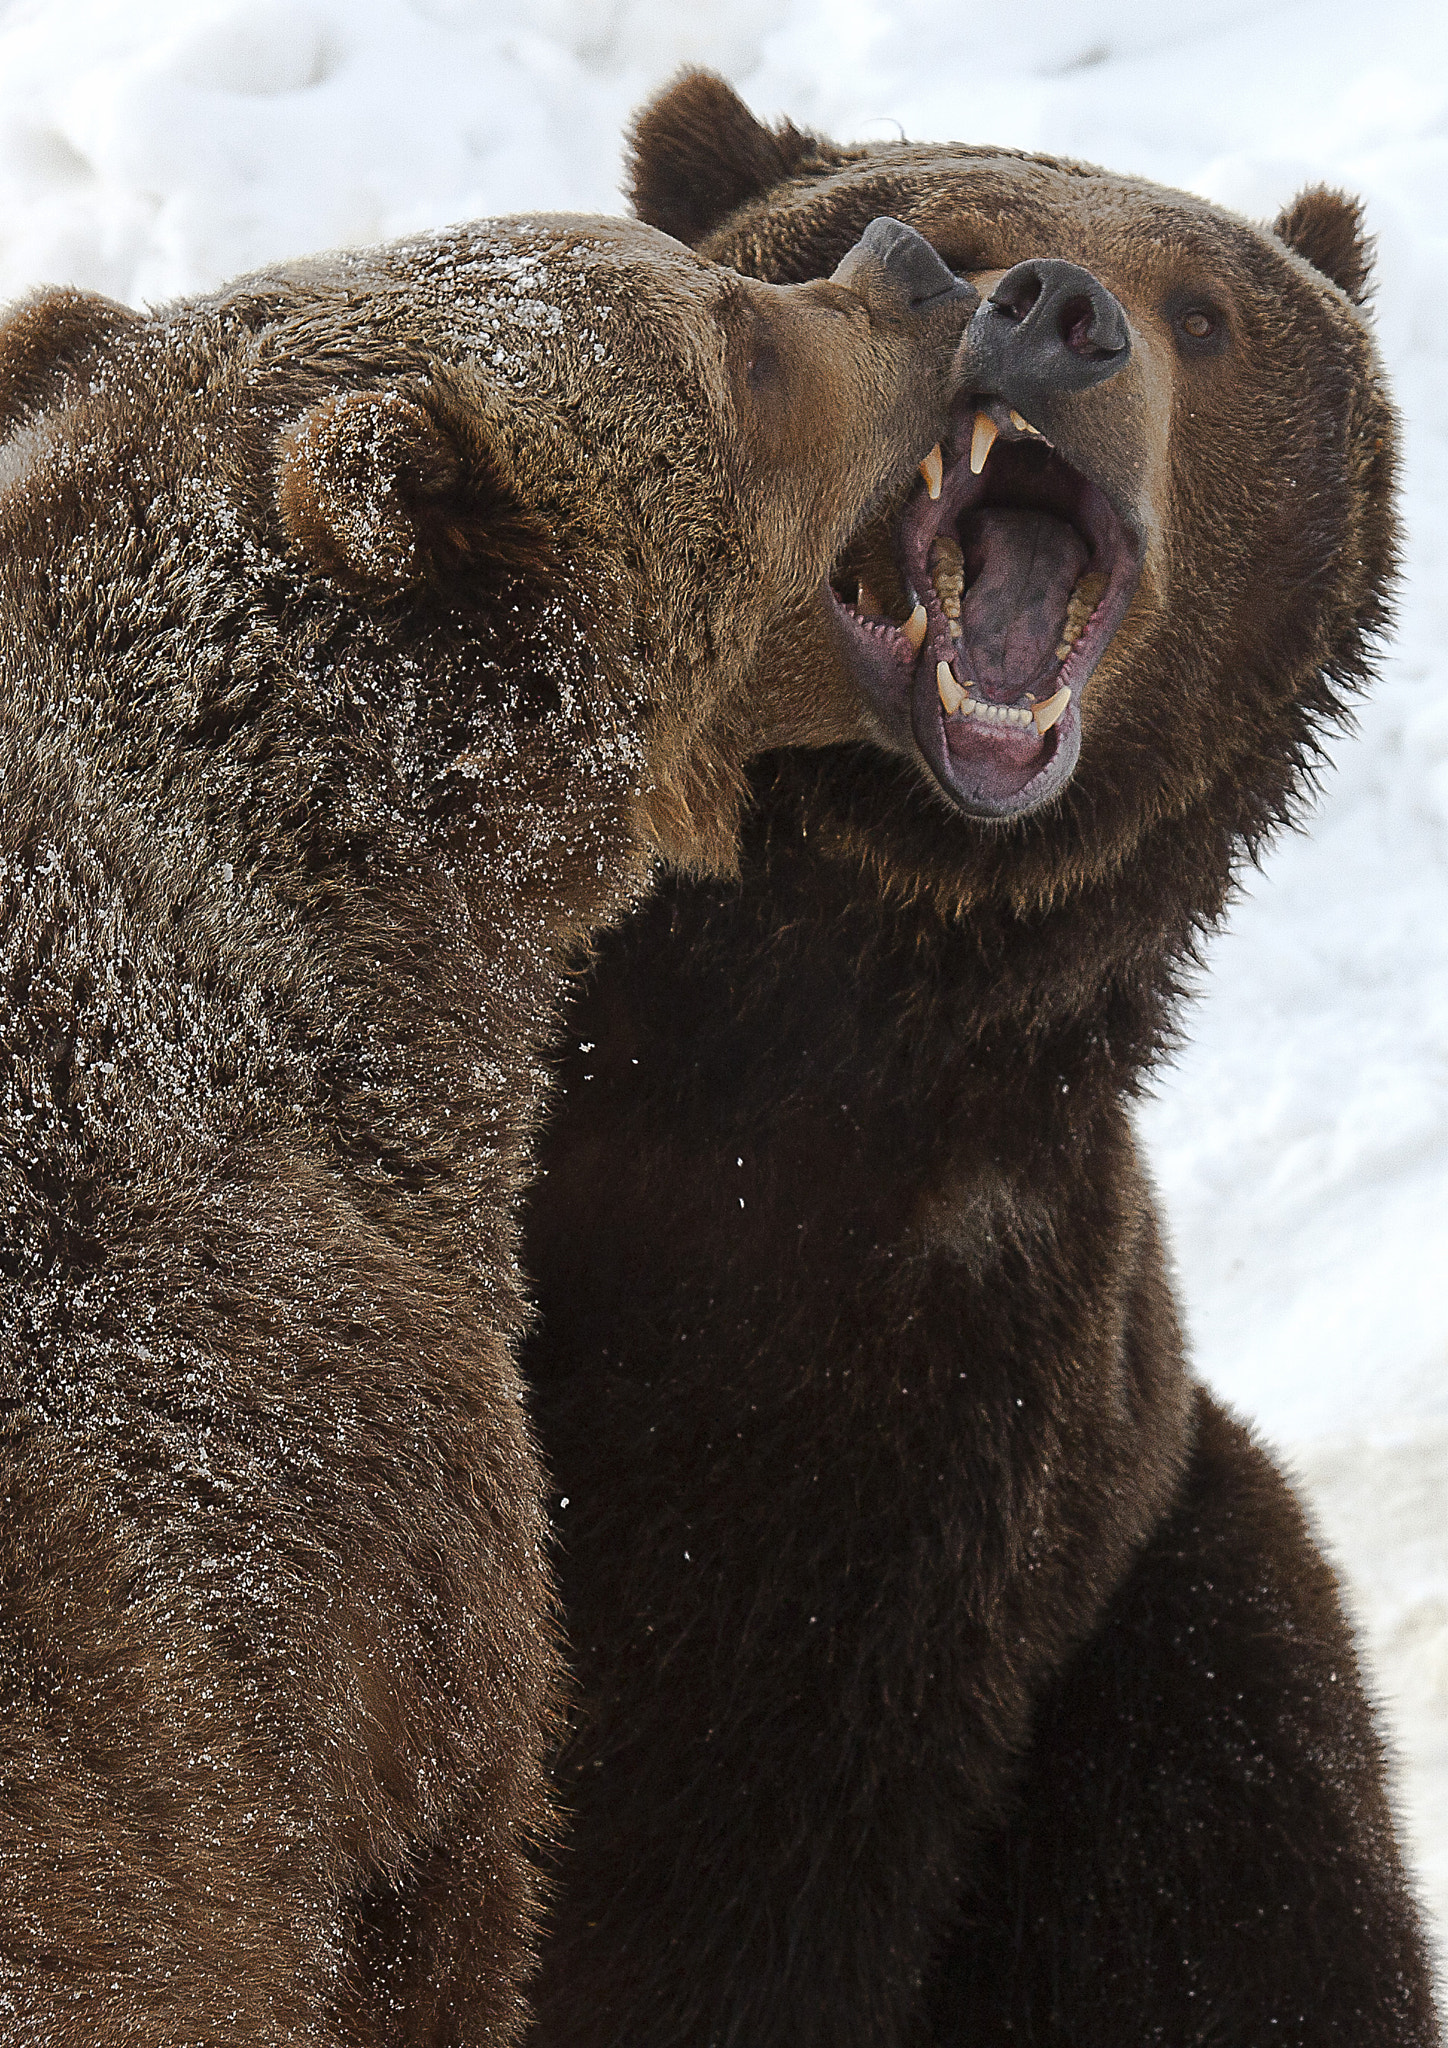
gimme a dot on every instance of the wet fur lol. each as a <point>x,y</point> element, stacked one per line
<point>344,678</point>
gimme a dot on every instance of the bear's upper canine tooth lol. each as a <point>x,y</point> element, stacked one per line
<point>933,469</point>
<point>914,628</point>
<point>951,694</point>
<point>1045,714</point>
<point>982,440</point>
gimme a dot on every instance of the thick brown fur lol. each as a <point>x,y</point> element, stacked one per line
<point>697,153</point>
<point>950,1667</point>
<point>1325,228</point>
<point>357,624</point>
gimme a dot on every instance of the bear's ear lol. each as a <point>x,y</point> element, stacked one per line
<point>1326,228</point>
<point>386,490</point>
<point>48,335</point>
<point>696,153</point>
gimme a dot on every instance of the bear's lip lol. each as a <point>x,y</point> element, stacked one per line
<point>1054,518</point>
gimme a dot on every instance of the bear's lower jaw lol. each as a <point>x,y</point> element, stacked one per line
<point>1009,582</point>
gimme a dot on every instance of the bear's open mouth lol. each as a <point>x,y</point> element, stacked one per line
<point>977,615</point>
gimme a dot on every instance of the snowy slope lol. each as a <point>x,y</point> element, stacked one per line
<point>1301,1143</point>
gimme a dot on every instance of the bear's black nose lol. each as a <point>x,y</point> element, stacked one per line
<point>902,265</point>
<point>1049,326</point>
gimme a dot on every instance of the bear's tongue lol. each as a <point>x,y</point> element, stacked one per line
<point>1020,570</point>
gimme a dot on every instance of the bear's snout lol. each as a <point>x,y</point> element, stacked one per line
<point>893,265</point>
<point>1049,327</point>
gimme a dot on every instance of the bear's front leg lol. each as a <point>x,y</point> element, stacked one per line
<point>272,1630</point>
<point>1201,1851</point>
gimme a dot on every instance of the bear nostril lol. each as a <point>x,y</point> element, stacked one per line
<point>1016,294</point>
<point>912,273</point>
<point>1048,328</point>
<point>1078,327</point>
<point>1075,323</point>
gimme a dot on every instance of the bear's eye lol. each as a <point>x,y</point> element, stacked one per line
<point>1199,327</point>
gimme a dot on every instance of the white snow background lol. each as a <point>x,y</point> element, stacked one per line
<point>153,147</point>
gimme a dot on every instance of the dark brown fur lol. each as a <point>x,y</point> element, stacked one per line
<point>950,1667</point>
<point>363,638</point>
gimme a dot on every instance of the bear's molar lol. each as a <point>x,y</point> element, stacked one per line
<point>1088,593</point>
<point>947,572</point>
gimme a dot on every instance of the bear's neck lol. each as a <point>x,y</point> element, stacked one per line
<point>446,954</point>
<point>382,978</point>
<point>990,940</point>
<point>823,984</point>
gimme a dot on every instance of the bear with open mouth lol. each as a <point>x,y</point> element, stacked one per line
<point>951,1667</point>
<point>369,629</point>
<point>981,610</point>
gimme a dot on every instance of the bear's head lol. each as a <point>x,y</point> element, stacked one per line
<point>552,491</point>
<point>1160,546</point>
<point>653,460</point>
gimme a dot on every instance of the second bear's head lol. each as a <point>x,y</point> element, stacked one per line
<point>585,484</point>
<point>1161,553</point>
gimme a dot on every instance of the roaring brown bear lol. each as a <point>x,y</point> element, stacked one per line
<point>367,629</point>
<point>952,1669</point>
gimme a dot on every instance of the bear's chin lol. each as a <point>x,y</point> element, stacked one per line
<point>980,614</point>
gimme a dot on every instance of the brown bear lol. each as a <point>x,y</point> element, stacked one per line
<point>951,1667</point>
<point>368,627</point>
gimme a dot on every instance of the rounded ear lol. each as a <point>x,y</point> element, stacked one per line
<point>1326,229</point>
<point>46,337</point>
<point>383,490</point>
<point>696,153</point>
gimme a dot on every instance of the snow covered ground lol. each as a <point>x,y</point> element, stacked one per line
<point>149,147</point>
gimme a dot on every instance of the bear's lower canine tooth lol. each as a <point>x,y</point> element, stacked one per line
<point>933,469</point>
<point>951,694</point>
<point>914,628</point>
<point>982,440</point>
<point>1046,714</point>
